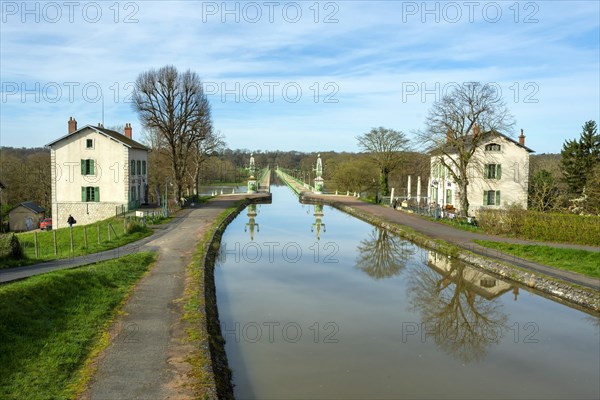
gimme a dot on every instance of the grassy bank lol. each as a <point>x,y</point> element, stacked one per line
<point>201,315</point>
<point>96,239</point>
<point>50,324</point>
<point>580,261</point>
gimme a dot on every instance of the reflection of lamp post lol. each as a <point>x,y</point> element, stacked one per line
<point>251,221</point>
<point>318,224</point>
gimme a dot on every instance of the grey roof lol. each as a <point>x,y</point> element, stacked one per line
<point>107,132</point>
<point>32,205</point>
<point>491,135</point>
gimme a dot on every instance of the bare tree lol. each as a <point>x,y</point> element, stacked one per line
<point>383,254</point>
<point>384,147</point>
<point>203,149</point>
<point>173,104</point>
<point>456,126</point>
<point>464,323</point>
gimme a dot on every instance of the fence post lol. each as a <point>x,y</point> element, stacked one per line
<point>125,225</point>
<point>54,237</point>
<point>98,226</point>
<point>108,227</point>
<point>84,238</point>
<point>71,238</point>
<point>35,242</point>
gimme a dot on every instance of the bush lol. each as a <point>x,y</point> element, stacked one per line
<point>10,247</point>
<point>134,225</point>
<point>534,225</point>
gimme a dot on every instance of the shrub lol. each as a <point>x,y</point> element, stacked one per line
<point>10,247</point>
<point>534,225</point>
<point>134,225</point>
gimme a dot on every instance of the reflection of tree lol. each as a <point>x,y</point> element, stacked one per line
<point>383,254</point>
<point>462,323</point>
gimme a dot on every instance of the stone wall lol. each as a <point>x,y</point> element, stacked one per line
<point>84,213</point>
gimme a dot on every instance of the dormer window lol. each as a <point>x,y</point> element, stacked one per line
<point>89,143</point>
<point>492,147</point>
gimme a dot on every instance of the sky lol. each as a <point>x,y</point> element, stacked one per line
<point>306,75</point>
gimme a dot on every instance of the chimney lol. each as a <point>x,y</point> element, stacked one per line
<point>522,138</point>
<point>448,135</point>
<point>100,125</point>
<point>128,130</point>
<point>72,125</point>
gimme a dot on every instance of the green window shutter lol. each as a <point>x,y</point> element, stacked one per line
<point>83,193</point>
<point>96,193</point>
<point>92,167</point>
<point>486,171</point>
<point>485,197</point>
<point>132,172</point>
<point>498,171</point>
<point>82,167</point>
<point>497,197</point>
<point>143,167</point>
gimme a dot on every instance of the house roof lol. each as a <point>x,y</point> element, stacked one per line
<point>106,132</point>
<point>491,135</point>
<point>32,205</point>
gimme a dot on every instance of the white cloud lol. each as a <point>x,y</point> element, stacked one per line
<point>375,51</point>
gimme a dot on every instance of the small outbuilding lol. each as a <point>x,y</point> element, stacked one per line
<point>26,216</point>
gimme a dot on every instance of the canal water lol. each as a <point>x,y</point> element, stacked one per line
<point>316,304</point>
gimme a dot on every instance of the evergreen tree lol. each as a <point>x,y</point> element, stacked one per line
<point>580,157</point>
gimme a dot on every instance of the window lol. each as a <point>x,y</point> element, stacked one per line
<point>449,196</point>
<point>139,167</point>
<point>491,197</point>
<point>89,143</point>
<point>132,172</point>
<point>90,193</point>
<point>492,171</point>
<point>143,167</point>
<point>492,147</point>
<point>87,167</point>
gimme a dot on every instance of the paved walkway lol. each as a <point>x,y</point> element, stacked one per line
<point>459,237</point>
<point>144,361</point>
<point>145,357</point>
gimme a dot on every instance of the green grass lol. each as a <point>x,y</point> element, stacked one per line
<point>46,242</point>
<point>195,309</point>
<point>51,324</point>
<point>458,224</point>
<point>580,261</point>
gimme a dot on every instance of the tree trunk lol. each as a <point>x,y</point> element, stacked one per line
<point>383,183</point>
<point>464,199</point>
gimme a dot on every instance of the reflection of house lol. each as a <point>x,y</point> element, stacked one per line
<point>477,281</point>
<point>25,217</point>
<point>498,174</point>
<point>96,172</point>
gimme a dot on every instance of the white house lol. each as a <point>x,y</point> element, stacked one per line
<point>498,175</point>
<point>96,173</point>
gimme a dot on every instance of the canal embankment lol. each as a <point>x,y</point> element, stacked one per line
<point>567,286</point>
<point>563,285</point>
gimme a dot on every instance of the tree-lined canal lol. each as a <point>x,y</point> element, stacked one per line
<point>314,303</point>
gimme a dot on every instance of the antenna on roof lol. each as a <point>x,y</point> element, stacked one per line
<point>102,110</point>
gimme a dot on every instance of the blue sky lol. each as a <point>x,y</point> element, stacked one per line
<point>307,76</point>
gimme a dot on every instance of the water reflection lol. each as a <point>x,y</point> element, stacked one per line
<point>383,254</point>
<point>459,306</point>
<point>318,224</point>
<point>251,224</point>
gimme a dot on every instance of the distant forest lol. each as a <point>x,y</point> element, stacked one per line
<point>25,172</point>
